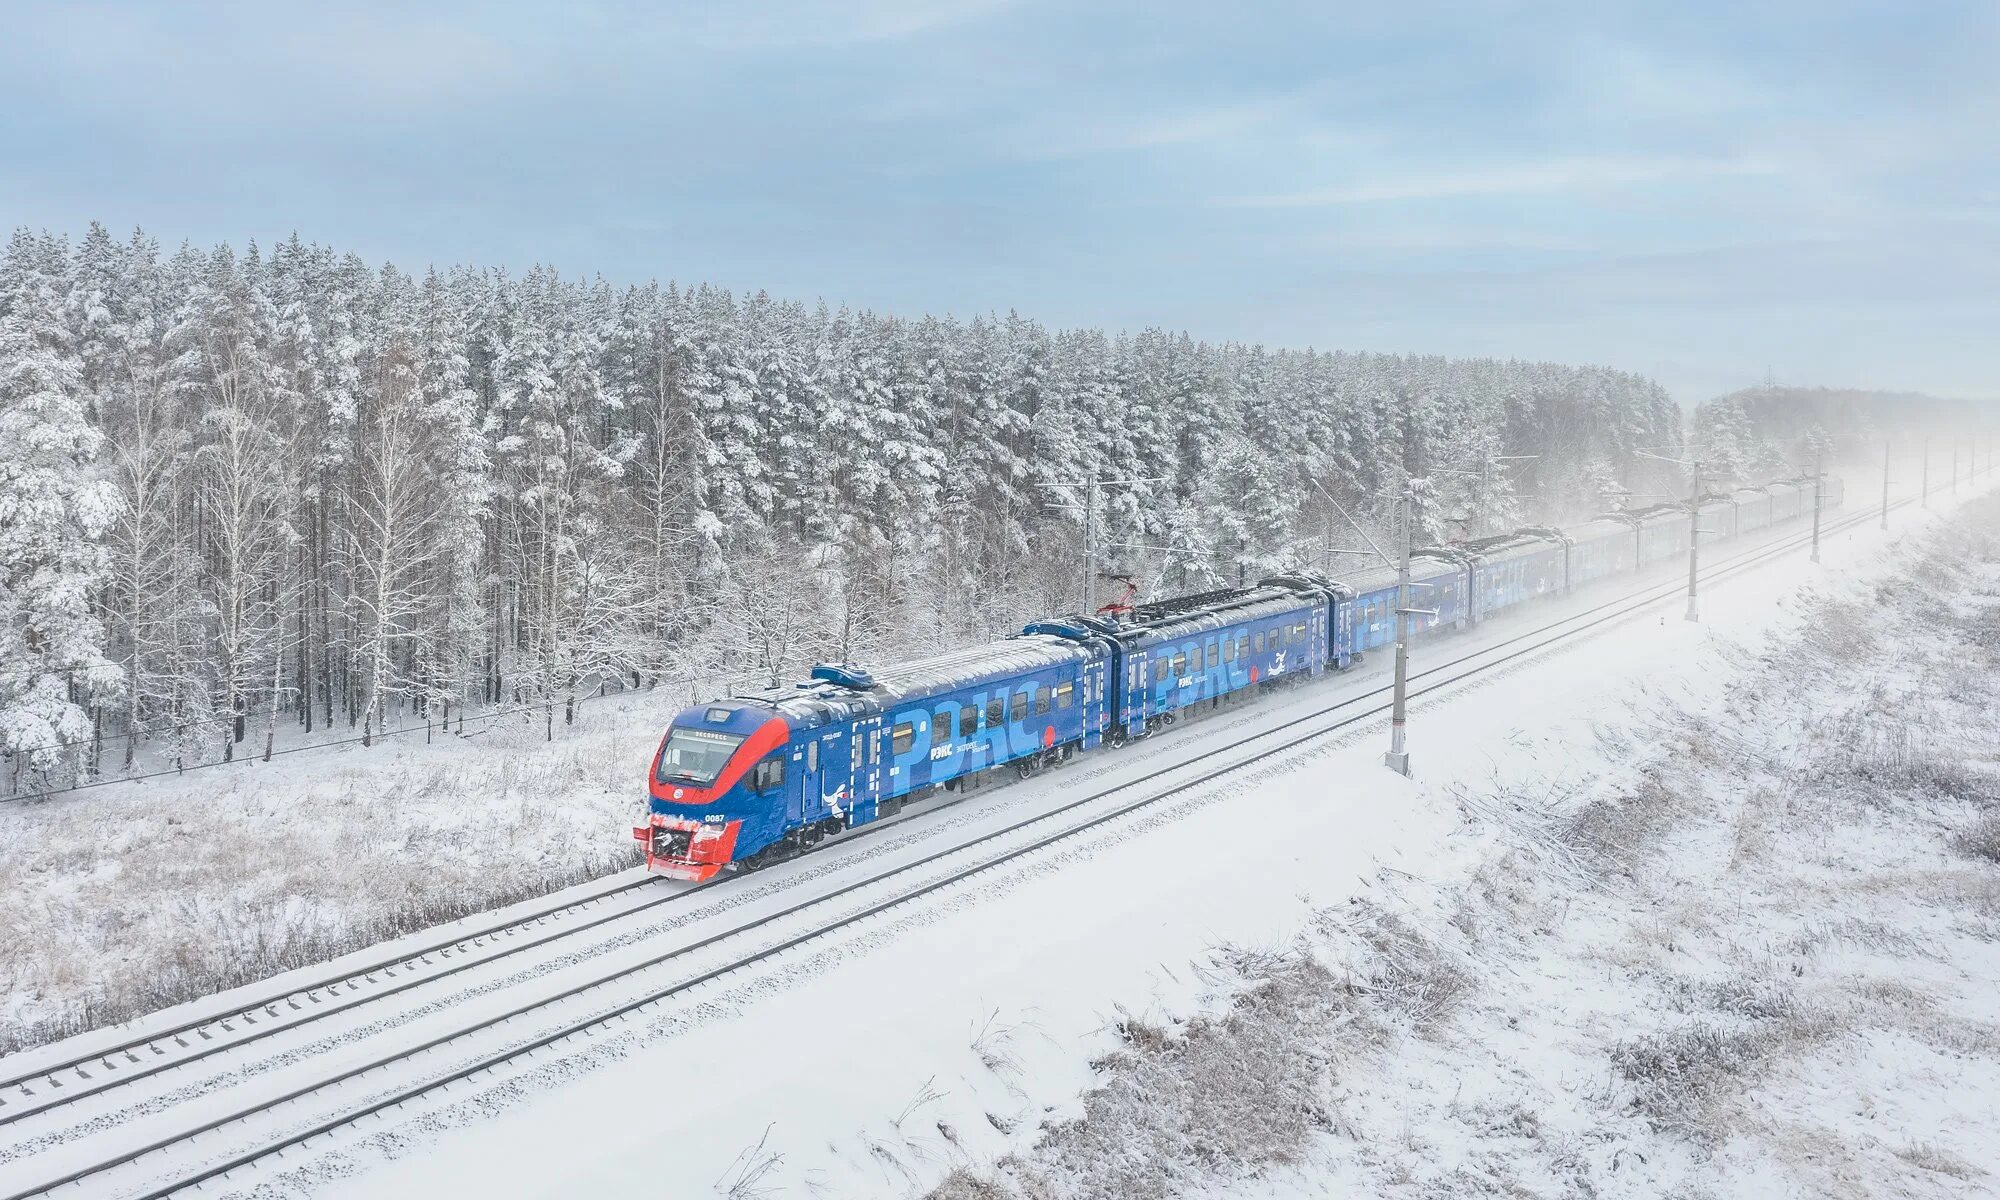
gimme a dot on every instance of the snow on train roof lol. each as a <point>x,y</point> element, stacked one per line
<point>1601,527</point>
<point>923,676</point>
<point>1277,603</point>
<point>1423,569</point>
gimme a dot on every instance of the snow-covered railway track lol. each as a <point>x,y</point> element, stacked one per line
<point>481,1044</point>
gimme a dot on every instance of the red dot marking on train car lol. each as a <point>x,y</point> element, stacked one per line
<point>1049,736</point>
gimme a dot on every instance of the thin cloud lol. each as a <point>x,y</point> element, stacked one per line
<point>1555,175</point>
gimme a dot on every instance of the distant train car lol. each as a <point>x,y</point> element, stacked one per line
<point>1787,500</point>
<point>1608,545</point>
<point>1663,533</point>
<point>1753,509</point>
<point>1439,581</point>
<point>1516,567</point>
<point>1718,519</point>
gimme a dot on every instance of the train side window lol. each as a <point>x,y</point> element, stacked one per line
<point>1257,642</point>
<point>968,720</point>
<point>1180,664</point>
<point>770,773</point>
<point>902,737</point>
<point>996,712</point>
<point>1229,651</point>
<point>1042,703</point>
<point>1065,693</point>
<point>1243,645</point>
<point>1018,709</point>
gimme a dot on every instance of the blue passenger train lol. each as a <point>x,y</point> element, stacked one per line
<point>766,774</point>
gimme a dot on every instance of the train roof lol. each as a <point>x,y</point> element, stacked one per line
<point>1425,565</point>
<point>1660,513</point>
<point>840,690</point>
<point>1518,543</point>
<point>1600,527</point>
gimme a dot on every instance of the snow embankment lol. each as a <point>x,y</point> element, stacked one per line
<point>135,896</point>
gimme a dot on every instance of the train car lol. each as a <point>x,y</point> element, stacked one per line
<point>1718,519</point>
<point>1753,509</point>
<point>1516,567</point>
<point>753,777</point>
<point>1663,533</point>
<point>1787,500</point>
<point>1439,580</point>
<point>1176,654</point>
<point>1608,545</point>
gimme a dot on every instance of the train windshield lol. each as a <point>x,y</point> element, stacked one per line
<point>696,756</point>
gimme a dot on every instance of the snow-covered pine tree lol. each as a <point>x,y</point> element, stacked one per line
<point>55,509</point>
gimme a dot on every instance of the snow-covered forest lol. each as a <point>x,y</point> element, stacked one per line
<point>249,493</point>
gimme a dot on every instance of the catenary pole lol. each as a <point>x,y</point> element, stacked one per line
<point>1819,491</point>
<point>1398,757</point>
<point>1694,541</point>
<point>1885,485</point>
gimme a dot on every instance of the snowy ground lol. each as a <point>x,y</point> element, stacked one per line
<point>123,899</point>
<point>1677,911</point>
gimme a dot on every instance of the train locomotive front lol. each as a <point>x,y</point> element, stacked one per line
<point>718,790</point>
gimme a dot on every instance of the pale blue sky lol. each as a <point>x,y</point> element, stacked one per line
<point>1698,192</point>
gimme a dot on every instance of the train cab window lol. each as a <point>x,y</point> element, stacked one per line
<point>902,737</point>
<point>996,712</point>
<point>1042,703</point>
<point>968,720</point>
<point>812,756</point>
<point>1018,708</point>
<point>769,774</point>
<point>1065,693</point>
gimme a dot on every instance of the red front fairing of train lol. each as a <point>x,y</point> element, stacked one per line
<point>702,810</point>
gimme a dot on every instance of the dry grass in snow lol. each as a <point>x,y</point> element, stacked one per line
<point>126,899</point>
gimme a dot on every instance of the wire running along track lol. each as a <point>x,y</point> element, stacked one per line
<point>1567,628</point>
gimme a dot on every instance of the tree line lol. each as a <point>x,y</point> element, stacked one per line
<point>249,492</point>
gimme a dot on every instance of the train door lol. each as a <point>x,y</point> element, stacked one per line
<point>803,794</point>
<point>1138,690</point>
<point>870,769</point>
<point>1092,702</point>
<point>1316,644</point>
<point>1343,631</point>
